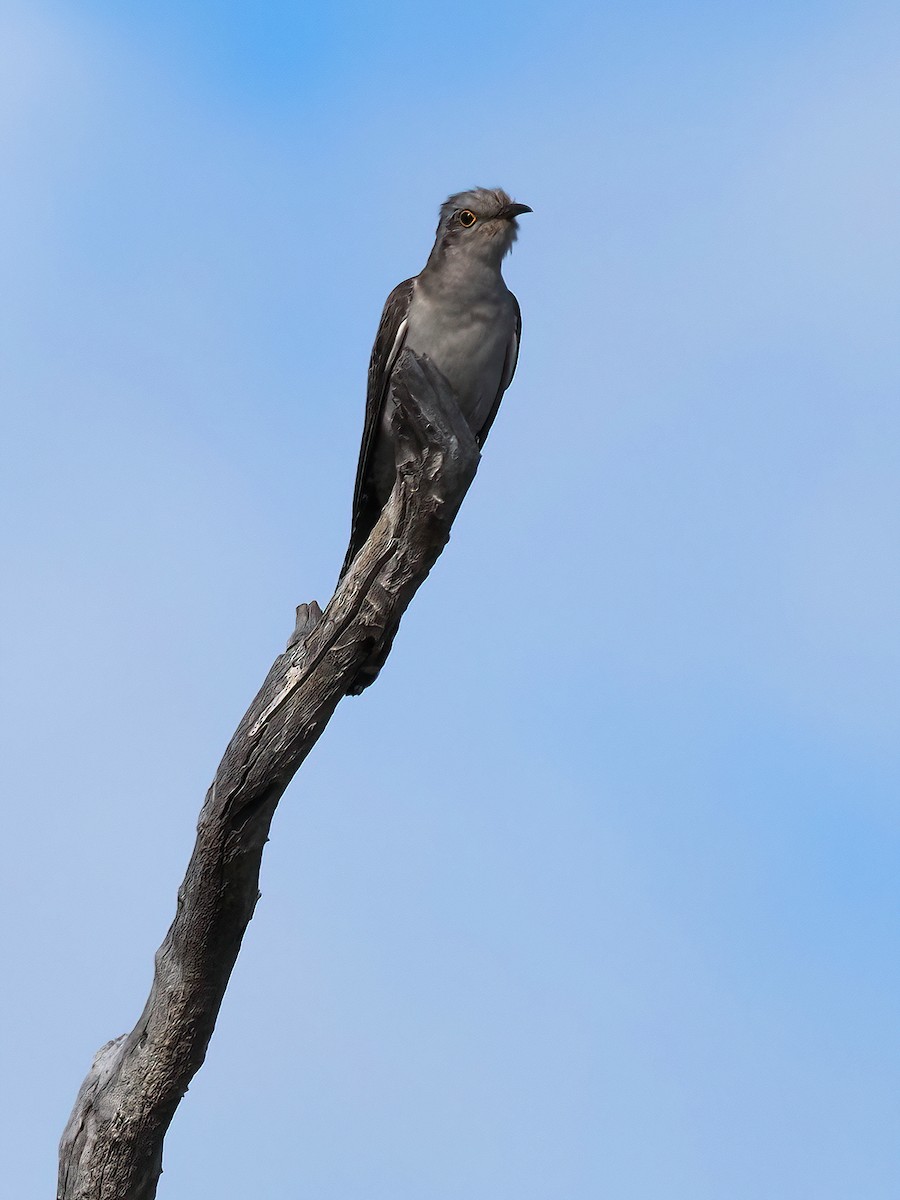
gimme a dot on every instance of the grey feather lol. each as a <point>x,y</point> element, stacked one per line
<point>368,499</point>
<point>459,312</point>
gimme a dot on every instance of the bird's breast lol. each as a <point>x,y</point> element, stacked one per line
<point>466,337</point>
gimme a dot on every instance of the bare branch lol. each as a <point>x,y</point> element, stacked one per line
<point>111,1148</point>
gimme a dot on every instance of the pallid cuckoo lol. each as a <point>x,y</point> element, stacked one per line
<point>459,312</point>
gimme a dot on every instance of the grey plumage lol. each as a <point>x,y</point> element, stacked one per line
<point>459,312</point>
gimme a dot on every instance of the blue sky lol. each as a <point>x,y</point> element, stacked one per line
<point>595,893</point>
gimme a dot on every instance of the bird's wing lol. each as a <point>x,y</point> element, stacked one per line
<point>388,344</point>
<point>509,369</point>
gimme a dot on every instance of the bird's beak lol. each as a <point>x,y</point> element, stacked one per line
<point>509,212</point>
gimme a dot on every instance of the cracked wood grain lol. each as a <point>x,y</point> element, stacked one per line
<point>111,1148</point>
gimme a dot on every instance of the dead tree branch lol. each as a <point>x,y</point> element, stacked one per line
<point>111,1148</point>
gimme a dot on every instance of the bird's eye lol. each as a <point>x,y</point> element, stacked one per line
<point>467,218</point>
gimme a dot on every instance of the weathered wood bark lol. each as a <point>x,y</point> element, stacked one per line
<point>111,1148</point>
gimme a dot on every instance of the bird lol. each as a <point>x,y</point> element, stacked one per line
<point>458,312</point>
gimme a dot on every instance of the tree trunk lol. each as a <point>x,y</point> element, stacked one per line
<point>111,1148</point>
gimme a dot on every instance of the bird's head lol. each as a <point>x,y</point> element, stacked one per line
<point>480,223</point>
